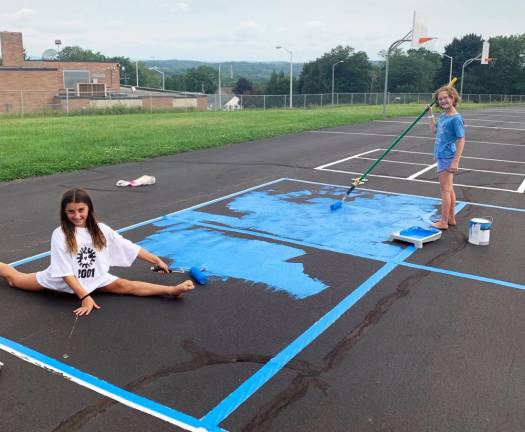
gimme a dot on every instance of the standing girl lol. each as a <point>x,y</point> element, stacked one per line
<point>82,251</point>
<point>448,148</point>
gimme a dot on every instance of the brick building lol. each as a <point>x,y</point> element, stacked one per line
<point>38,85</point>
<point>31,85</point>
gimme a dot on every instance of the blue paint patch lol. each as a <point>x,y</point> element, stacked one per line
<point>362,227</point>
<point>224,257</point>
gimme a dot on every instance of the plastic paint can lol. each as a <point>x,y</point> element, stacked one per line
<point>479,230</point>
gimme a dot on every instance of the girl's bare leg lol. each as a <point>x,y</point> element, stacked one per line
<point>452,214</point>
<point>16,279</point>
<point>138,288</point>
<point>445,185</point>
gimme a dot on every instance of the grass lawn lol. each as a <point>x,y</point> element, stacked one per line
<point>37,146</point>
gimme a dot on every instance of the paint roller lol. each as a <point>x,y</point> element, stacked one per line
<point>360,180</point>
<point>195,272</point>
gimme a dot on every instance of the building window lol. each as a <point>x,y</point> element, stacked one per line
<point>73,77</point>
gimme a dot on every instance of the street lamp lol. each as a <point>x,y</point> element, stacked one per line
<point>333,69</point>
<point>451,59</point>
<point>291,70</point>
<point>137,72</point>
<point>220,91</point>
<point>58,42</point>
<point>161,72</point>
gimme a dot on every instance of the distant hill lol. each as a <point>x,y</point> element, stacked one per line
<point>253,71</point>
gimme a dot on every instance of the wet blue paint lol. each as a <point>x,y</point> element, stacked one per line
<point>418,232</point>
<point>361,227</point>
<point>224,257</point>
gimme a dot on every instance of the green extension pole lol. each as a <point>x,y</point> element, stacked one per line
<point>360,180</point>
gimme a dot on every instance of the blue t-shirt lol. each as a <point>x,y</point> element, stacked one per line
<point>448,130</point>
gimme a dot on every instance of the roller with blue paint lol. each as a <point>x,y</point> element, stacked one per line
<point>194,271</point>
<point>359,180</point>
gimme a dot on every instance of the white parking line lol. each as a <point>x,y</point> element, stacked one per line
<point>425,164</point>
<point>345,159</point>
<point>500,115</point>
<point>414,136</point>
<point>521,189</point>
<point>468,125</point>
<point>421,181</point>
<point>493,121</point>
<point>463,157</point>
<point>428,168</point>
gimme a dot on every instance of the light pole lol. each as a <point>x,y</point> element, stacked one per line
<point>451,59</point>
<point>58,42</point>
<point>291,69</point>
<point>478,57</point>
<point>333,69</point>
<point>220,91</point>
<point>161,72</point>
<point>137,72</point>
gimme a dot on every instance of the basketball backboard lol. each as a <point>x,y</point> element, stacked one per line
<point>485,57</point>
<point>419,32</point>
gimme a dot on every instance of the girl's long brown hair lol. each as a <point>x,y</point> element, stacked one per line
<point>97,236</point>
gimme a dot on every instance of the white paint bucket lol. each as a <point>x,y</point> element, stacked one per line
<point>479,230</point>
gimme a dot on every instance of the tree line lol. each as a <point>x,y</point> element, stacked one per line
<point>414,71</point>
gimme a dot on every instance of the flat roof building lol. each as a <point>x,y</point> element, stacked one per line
<point>31,85</point>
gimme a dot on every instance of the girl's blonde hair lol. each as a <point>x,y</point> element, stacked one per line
<point>97,236</point>
<point>452,93</point>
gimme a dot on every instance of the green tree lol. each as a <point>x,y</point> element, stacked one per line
<point>242,86</point>
<point>279,84</point>
<point>353,75</point>
<point>413,71</point>
<point>467,47</point>
<point>76,53</point>
<point>505,74</point>
<point>201,78</point>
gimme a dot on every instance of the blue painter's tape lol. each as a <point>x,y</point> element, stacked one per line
<point>30,259</point>
<point>464,275</point>
<point>96,383</point>
<point>265,373</point>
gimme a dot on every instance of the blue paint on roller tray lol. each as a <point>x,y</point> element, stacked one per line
<point>419,232</point>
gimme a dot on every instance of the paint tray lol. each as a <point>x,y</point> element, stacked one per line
<point>417,235</point>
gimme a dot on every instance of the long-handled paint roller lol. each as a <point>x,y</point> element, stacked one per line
<point>195,272</point>
<point>360,180</point>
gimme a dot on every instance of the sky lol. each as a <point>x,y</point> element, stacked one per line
<point>249,30</point>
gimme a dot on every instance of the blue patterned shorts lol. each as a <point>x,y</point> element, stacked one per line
<point>443,164</point>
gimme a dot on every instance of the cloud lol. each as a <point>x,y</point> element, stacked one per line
<point>115,23</point>
<point>18,15</point>
<point>248,30</point>
<point>317,31</point>
<point>176,7</point>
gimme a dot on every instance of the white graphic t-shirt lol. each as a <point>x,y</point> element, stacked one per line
<point>89,265</point>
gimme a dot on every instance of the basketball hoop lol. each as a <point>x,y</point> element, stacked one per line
<point>420,35</point>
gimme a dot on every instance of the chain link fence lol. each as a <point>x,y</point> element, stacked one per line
<point>328,99</point>
<point>41,102</point>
